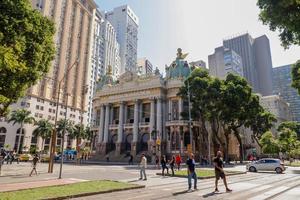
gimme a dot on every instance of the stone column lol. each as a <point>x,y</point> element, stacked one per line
<point>152,118</point>
<point>101,124</point>
<point>106,128</point>
<point>159,118</point>
<point>180,108</point>
<point>120,129</point>
<point>135,128</point>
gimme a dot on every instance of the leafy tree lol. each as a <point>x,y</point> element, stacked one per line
<point>269,143</point>
<point>237,104</point>
<point>44,130</point>
<point>288,141</point>
<point>259,121</point>
<point>292,125</point>
<point>65,124</point>
<point>21,117</point>
<point>296,76</point>
<point>283,16</point>
<point>26,49</point>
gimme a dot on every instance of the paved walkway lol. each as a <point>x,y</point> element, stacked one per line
<point>36,184</point>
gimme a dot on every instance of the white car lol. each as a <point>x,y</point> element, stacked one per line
<point>267,164</point>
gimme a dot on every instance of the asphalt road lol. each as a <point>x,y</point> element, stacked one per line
<point>253,186</point>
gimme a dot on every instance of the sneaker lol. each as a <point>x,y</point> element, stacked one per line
<point>216,190</point>
<point>140,178</point>
<point>228,190</point>
<point>195,188</point>
<point>189,190</point>
<point>144,179</point>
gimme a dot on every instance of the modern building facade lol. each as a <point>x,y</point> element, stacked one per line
<point>144,66</point>
<point>278,107</point>
<point>257,60</point>
<point>74,20</point>
<point>282,81</point>
<point>225,61</point>
<point>126,25</point>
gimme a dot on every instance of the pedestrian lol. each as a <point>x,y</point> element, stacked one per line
<point>191,172</point>
<point>34,163</point>
<point>178,161</point>
<point>107,158</point>
<point>157,162</point>
<point>164,166</point>
<point>130,161</point>
<point>219,172</point>
<point>8,158</point>
<point>172,164</point>
<point>143,166</point>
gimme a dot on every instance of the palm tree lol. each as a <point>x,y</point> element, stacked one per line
<point>22,117</point>
<point>44,130</point>
<point>89,135</point>
<point>78,134</point>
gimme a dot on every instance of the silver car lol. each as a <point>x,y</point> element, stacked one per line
<point>267,164</point>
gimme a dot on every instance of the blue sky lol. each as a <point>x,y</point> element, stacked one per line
<point>197,26</point>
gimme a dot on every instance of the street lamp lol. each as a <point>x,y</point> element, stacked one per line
<point>54,134</point>
<point>190,118</point>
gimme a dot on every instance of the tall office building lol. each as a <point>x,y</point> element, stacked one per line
<point>257,61</point>
<point>126,25</point>
<point>224,61</point>
<point>282,86</point>
<point>111,47</point>
<point>144,66</point>
<point>73,38</point>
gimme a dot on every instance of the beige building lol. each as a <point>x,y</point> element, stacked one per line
<point>73,38</point>
<point>138,114</point>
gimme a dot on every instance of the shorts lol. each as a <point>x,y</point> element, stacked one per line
<point>219,175</point>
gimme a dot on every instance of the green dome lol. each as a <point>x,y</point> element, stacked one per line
<point>179,68</point>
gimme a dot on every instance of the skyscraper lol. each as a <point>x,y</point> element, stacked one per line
<point>224,61</point>
<point>126,25</point>
<point>282,86</point>
<point>257,61</point>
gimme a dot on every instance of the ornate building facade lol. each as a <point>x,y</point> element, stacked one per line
<point>138,114</point>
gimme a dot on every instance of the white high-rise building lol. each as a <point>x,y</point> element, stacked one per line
<point>144,66</point>
<point>111,53</point>
<point>224,61</point>
<point>126,25</point>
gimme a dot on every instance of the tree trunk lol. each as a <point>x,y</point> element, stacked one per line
<point>238,137</point>
<point>205,138</point>
<point>43,144</point>
<point>19,139</point>
<point>226,149</point>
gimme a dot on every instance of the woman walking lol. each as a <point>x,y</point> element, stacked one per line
<point>164,165</point>
<point>172,164</point>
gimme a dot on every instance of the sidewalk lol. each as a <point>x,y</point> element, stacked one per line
<point>36,184</point>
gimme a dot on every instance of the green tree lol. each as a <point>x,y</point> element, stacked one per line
<point>292,125</point>
<point>26,49</point>
<point>282,16</point>
<point>288,141</point>
<point>21,117</point>
<point>296,76</point>
<point>44,130</point>
<point>269,143</point>
<point>67,125</point>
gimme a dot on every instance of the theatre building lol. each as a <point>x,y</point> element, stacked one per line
<point>142,114</point>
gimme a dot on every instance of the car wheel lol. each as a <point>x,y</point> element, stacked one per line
<point>252,169</point>
<point>278,170</point>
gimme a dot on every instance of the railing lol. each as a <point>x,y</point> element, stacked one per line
<point>181,122</point>
<point>144,124</point>
<point>113,126</point>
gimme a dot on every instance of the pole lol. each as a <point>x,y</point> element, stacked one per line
<point>63,141</point>
<point>54,134</point>
<point>209,157</point>
<point>190,118</point>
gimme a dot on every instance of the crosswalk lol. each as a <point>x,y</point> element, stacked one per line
<point>252,186</point>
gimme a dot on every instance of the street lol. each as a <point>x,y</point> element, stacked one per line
<point>253,186</point>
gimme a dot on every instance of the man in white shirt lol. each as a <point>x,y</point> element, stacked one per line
<point>143,166</point>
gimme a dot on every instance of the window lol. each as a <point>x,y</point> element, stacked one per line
<point>50,110</point>
<point>37,107</point>
<point>42,108</point>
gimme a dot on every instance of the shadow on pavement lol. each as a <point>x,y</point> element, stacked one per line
<point>211,194</point>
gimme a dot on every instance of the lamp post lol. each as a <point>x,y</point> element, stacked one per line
<point>54,133</point>
<point>190,118</point>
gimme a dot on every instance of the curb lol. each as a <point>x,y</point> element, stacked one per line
<point>207,177</point>
<point>95,193</point>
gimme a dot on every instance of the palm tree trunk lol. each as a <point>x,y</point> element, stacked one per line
<point>20,136</point>
<point>43,144</point>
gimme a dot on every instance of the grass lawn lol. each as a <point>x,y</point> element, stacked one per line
<point>65,190</point>
<point>202,172</point>
<point>294,164</point>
